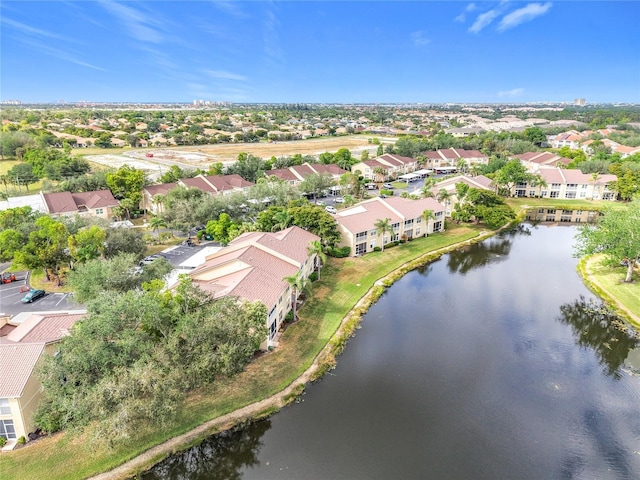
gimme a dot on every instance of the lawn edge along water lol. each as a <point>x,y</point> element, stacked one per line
<point>308,349</point>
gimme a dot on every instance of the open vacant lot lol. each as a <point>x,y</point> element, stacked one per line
<point>201,156</point>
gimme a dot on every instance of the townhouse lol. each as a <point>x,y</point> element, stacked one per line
<point>385,167</point>
<point>534,160</point>
<point>253,268</point>
<point>23,342</point>
<point>210,184</point>
<point>98,203</point>
<point>357,224</point>
<point>569,184</point>
<point>296,174</point>
<point>450,157</point>
<point>446,192</point>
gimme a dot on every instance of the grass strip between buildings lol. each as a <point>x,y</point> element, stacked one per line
<point>342,285</point>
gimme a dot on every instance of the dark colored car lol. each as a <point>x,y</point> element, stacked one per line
<point>33,295</point>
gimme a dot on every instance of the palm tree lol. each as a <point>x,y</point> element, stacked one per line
<point>316,248</point>
<point>282,220</point>
<point>383,226</point>
<point>297,283</point>
<point>594,179</point>
<point>426,189</point>
<point>427,215</point>
<point>156,223</point>
<point>379,173</point>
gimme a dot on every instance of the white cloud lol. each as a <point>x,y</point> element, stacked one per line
<point>271,39</point>
<point>61,55</point>
<point>419,39</point>
<point>232,8</point>
<point>516,92</point>
<point>463,16</point>
<point>29,30</point>
<point>522,15</point>
<point>221,74</point>
<point>483,20</point>
<point>142,26</point>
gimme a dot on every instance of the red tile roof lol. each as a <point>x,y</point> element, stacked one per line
<point>66,202</point>
<point>42,328</point>
<point>18,361</point>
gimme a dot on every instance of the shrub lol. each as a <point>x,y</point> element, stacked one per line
<point>313,277</point>
<point>388,193</point>
<point>376,249</point>
<point>22,440</point>
<point>339,252</point>
<point>3,442</point>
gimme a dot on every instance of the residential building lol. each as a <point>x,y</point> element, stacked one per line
<point>218,184</point>
<point>99,203</point>
<point>568,184</point>
<point>253,267</point>
<point>391,165</point>
<point>151,195</point>
<point>23,341</point>
<point>534,160</point>
<point>450,196</point>
<point>562,215</point>
<point>297,173</point>
<point>357,223</point>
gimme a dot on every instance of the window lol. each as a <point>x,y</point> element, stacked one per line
<point>273,329</point>
<point>551,210</point>
<point>521,193</point>
<point>7,430</point>
<point>584,186</point>
<point>543,193</point>
<point>521,185</point>
<point>583,194</point>
<point>408,223</point>
<point>396,227</point>
<point>532,193</point>
<point>565,218</point>
<point>541,210</point>
<point>373,233</point>
<point>572,186</point>
<point>554,195</point>
<point>417,231</point>
<point>550,218</point>
<point>99,211</point>
<point>361,236</point>
<point>419,220</point>
<point>567,212</point>
<point>437,226</point>
<point>555,186</point>
<point>361,248</point>
<point>570,195</point>
<point>5,409</point>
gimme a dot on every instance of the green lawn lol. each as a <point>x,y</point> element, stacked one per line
<point>608,283</point>
<point>343,282</point>
<point>5,166</point>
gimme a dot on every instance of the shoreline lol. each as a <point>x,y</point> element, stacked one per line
<point>323,362</point>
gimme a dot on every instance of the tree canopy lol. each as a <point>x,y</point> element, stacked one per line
<point>616,234</point>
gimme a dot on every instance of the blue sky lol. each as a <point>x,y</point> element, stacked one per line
<point>315,51</point>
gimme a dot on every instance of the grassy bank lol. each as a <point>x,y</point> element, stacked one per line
<point>343,283</point>
<point>607,282</point>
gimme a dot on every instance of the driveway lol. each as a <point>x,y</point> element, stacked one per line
<point>10,296</point>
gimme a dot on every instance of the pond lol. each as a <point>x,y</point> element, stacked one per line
<point>494,362</point>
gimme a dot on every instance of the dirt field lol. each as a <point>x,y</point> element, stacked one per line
<point>229,152</point>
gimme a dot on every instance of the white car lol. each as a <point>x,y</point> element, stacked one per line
<point>331,209</point>
<point>320,203</point>
<point>339,200</point>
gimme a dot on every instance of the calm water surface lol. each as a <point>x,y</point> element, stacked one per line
<point>487,364</point>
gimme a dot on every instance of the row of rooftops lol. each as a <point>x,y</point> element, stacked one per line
<point>63,202</point>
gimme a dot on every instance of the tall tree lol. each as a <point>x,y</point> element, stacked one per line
<point>297,283</point>
<point>616,234</point>
<point>383,226</point>
<point>47,247</point>
<point>316,248</point>
<point>126,184</point>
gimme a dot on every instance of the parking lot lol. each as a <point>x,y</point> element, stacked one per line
<point>12,293</point>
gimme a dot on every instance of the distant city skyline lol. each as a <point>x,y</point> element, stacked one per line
<point>320,52</point>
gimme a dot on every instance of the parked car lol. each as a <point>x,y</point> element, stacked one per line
<point>321,203</point>
<point>388,186</point>
<point>339,200</point>
<point>331,209</point>
<point>8,277</point>
<point>371,186</point>
<point>33,295</point>
<point>149,259</point>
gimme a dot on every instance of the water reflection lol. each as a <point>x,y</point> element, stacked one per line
<point>221,456</point>
<point>599,329</point>
<point>492,250</point>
